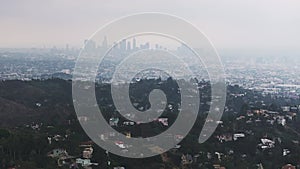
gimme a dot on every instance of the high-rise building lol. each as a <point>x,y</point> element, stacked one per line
<point>147,45</point>
<point>134,44</point>
<point>128,46</point>
<point>123,45</point>
<point>104,43</point>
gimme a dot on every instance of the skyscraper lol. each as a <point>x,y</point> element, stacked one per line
<point>134,44</point>
<point>123,45</point>
<point>128,46</point>
<point>104,43</point>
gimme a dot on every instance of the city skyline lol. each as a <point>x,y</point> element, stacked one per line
<point>231,24</point>
<point>91,84</point>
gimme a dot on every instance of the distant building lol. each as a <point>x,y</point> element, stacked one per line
<point>186,159</point>
<point>82,118</point>
<point>288,166</point>
<point>266,143</point>
<point>87,152</point>
<point>128,46</point>
<point>218,166</point>
<point>119,167</point>
<point>86,144</point>
<point>163,121</point>
<point>260,166</point>
<point>49,140</point>
<point>113,121</point>
<point>123,45</point>
<point>104,43</point>
<point>134,44</point>
<point>285,108</point>
<point>281,120</point>
<point>57,153</point>
<point>224,137</point>
<point>85,162</point>
<point>128,123</point>
<point>238,135</point>
<point>285,152</point>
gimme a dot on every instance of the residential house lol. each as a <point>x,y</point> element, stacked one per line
<point>266,143</point>
<point>85,162</point>
<point>57,153</point>
<point>113,121</point>
<point>87,152</point>
<point>288,166</point>
<point>186,159</point>
<point>238,135</point>
<point>163,121</point>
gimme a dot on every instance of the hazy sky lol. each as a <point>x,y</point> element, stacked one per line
<point>267,24</point>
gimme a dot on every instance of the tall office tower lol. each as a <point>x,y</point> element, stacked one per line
<point>104,43</point>
<point>128,46</point>
<point>134,44</point>
<point>123,45</point>
<point>147,45</point>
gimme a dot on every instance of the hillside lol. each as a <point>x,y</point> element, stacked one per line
<point>23,102</point>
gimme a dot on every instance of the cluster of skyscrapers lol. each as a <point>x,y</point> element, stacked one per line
<point>123,45</point>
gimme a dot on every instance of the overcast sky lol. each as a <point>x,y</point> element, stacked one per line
<point>266,24</point>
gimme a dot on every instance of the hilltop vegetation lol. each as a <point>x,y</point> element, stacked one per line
<point>48,104</point>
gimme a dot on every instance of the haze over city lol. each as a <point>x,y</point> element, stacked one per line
<point>70,100</point>
<point>265,25</point>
